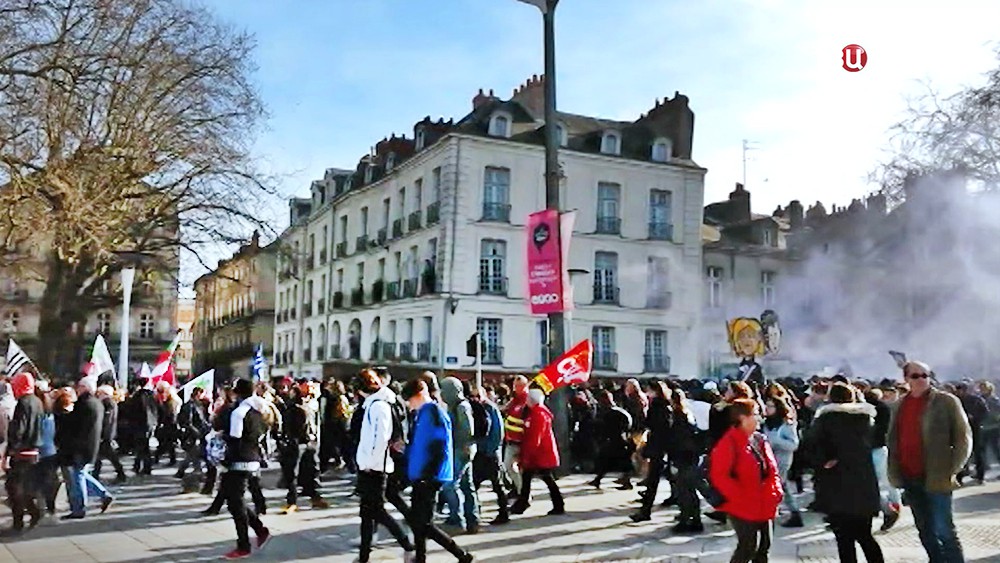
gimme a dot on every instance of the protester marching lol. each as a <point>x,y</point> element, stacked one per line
<point>866,448</point>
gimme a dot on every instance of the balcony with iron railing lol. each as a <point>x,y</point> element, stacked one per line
<point>493,285</point>
<point>388,350</point>
<point>336,352</point>
<point>606,294</point>
<point>376,351</point>
<point>410,287</point>
<point>423,351</point>
<point>414,221</point>
<point>656,363</point>
<point>661,300</point>
<point>361,244</point>
<point>493,356</point>
<point>499,212</point>
<point>382,236</point>
<point>322,257</point>
<point>433,213</point>
<point>338,299</point>
<point>341,249</point>
<point>378,291</point>
<point>320,353</point>
<point>307,355</point>
<point>392,291</point>
<point>609,225</point>
<point>357,297</point>
<point>429,282</point>
<point>605,360</point>
<point>406,351</point>
<point>661,231</point>
<point>397,228</point>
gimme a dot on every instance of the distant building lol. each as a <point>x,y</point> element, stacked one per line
<point>422,244</point>
<point>234,311</point>
<point>185,348</point>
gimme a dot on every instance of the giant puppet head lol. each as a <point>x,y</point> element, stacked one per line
<point>750,338</point>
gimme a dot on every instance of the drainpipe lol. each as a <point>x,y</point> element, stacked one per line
<point>451,260</point>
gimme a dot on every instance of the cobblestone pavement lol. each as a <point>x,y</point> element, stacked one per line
<point>152,521</point>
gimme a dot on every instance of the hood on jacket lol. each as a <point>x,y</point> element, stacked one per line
<point>849,408</point>
<point>22,384</point>
<point>383,394</point>
<point>451,391</point>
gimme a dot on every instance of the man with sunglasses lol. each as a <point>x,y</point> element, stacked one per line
<point>929,442</point>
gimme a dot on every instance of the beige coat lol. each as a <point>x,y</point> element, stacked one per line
<point>947,439</point>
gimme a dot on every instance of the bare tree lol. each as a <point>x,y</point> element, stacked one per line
<point>125,131</point>
<point>958,132</point>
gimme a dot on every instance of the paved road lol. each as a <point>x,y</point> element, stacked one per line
<point>151,521</point>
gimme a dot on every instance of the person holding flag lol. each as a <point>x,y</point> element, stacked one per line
<point>258,364</point>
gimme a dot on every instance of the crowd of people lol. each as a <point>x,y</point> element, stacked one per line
<point>746,449</point>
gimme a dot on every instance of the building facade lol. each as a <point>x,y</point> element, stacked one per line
<point>423,244</point>
<point>234,311</point>
<point>185,347</point>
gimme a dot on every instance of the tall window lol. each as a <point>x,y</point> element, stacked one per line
<point>492,269</point>
<point>768,238</point>
<point>660,227</point>
<point>490,330</point>
<point>397,263</point>
<point>656,359</point>
<point>608,204</point>
<point>713,278</point>
<point>605,277</point>
<point>146,325</point>
<point>421,138</point>
<point>658,283</point>
<point>325,239</point>
<point>418,194</point>
<point>340,279</point>
<point>381,268</point>
<point>661,150</point>
<point>604,348</point>
<point>361,274</point>
<point>343,226</point>
<point>767,288</point>
<point>364,221</point>
<point>414,262</point>
<point>543,343</point>
<point>104,322</point>
<point>386,207</point>
<point>436,184</point>
<point>610,143</point>
<point>402,202</point>
<point>496,194</point>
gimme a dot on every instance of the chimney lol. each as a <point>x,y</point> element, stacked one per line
<point>796,214</point>
<point>739,204</point>
<point>531,95</point>
<point>255,239</point>
<point>481,99</point>
<point>877,204</point>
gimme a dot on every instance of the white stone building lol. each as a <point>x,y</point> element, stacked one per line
<point>401,260</point>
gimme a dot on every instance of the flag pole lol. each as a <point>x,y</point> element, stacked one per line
<point>127,277</point>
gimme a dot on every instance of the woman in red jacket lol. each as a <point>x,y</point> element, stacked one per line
<point>539,454</point>
<point>743,470</point>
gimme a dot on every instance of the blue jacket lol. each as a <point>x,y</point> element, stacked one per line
<point>429,455</point>
<point>492,444</point>
<point>48,447</point>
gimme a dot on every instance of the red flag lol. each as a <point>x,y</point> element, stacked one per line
<point>571,368</point>
<point>163,370</point>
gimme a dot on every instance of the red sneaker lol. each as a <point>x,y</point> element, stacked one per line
<point>263,539</point>
<point>236,554</point>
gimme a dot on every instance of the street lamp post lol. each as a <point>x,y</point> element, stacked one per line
<point>557,339</point>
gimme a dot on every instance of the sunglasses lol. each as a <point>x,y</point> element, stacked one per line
<point>917,376</point>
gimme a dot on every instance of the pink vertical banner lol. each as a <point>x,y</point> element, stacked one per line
<point>545,259</point>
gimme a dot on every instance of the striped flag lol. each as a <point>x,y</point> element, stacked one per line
<point>163,370</point>
<point>258,365</point>
<point>16,358</point>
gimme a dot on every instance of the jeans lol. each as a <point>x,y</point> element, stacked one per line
<point>465,505</point>
<point>234,487</point>
<point>933,518</point>
<point>371,489</point>
<point>890,495</point>
<point>421,521</point>
<point>850,530</point>
<point>784,465</point>
<point>21,492</point>
<point>81,484</point>
<point>753,541</point>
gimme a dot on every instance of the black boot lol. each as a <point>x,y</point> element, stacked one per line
<point>794,521</point>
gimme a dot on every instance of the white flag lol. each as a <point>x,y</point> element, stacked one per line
<point>100,359</point>
<point>145,373</point>
<point>16,358</point>
<point>204,381</point>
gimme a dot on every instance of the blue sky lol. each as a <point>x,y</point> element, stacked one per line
<point>338,75</point>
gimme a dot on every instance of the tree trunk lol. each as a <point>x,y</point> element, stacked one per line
<point>61,311</point>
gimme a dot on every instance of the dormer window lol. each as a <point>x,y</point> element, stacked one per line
<point>421,138</point>
<point>611,143</point>
<point>390,161</point>
<point>662,149</point>
<point>500,125</point>
<point>369,173</point>
<point>347,184</point>
<point>561,135</point>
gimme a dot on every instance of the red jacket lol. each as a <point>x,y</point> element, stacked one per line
<point>735,472</point>
<point>538,449</point>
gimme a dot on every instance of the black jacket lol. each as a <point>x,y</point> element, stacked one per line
<point>64,437</point>
<point>297,424</point>
<point>109,431</point>
<point>658,420</point>
<point>718,423</point>
<point>193,420</point>
<point>843,432</point>
<point>976,409</point>
<point>246,448</point>
<point>85,423</point>
<point>881,429</point>
<point>25,429</point>
<point>144,410</point>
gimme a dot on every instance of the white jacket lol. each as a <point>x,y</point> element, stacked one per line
<point>376,432</point>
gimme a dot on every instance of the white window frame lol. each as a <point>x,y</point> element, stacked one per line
<point>661,150</point>
<point>714,276</point>
<point>606,143</point>
<point>491,332</point>
<point>768,279</point>
<point>421,138</point>
<point>147,325</point>
<point>390,161</point>
<point>500,124</point>
<point>492,265</point>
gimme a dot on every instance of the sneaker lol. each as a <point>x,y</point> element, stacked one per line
<point>794,521</point>
<point>237,554</point>
<point>106,503</point>
<point>72,516</point>
<point>689,528</point>
<point>595,483</point>
<point>518,508</point>
<point>263,539</point>
<point>672,501</point>
<point>500,521</point>
<point>557,511</point>
<point>467,558</point>
<point>889,520</point>
<point>641,516</point>
<point>320,503</point>
<point>290,509</point>
<point>472,529</point>
<point>209,512</point>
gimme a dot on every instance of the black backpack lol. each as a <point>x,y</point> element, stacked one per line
<point>480,420</point>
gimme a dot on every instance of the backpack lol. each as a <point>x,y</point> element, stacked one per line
<point>215,448</point>
<point>480,420</point>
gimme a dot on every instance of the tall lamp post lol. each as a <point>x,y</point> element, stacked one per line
<point>557,340</point>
